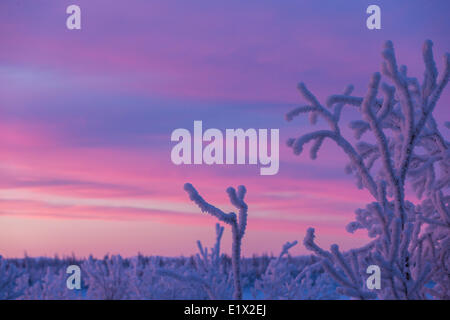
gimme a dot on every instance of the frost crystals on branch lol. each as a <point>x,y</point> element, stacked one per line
<point>238,225</point>
<point>412,241</point>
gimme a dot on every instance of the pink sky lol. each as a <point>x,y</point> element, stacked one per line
<point>86,117</point>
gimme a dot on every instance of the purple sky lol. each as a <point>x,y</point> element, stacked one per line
<point>86,116</point>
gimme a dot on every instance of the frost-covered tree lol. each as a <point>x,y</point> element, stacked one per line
<point>406,150</point>
<point>238,223</point>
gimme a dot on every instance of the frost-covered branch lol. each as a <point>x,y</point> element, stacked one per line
<point>238,225</point>
<point>411,240</point>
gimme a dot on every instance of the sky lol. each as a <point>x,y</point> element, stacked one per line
<point>86,117</point>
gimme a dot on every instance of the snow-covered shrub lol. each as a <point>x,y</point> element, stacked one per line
<point>275,281</point>
<point>51,287</point>
<point>315,284</point>
<point>107,279</point>
<point>411,240</point>
<point>147,282</point>
<point>207,273</point>
<point>277,276</point>
<point>10,285</point>
<point>238,224</point>
<point>211,267</point>
<point>301,278</point>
